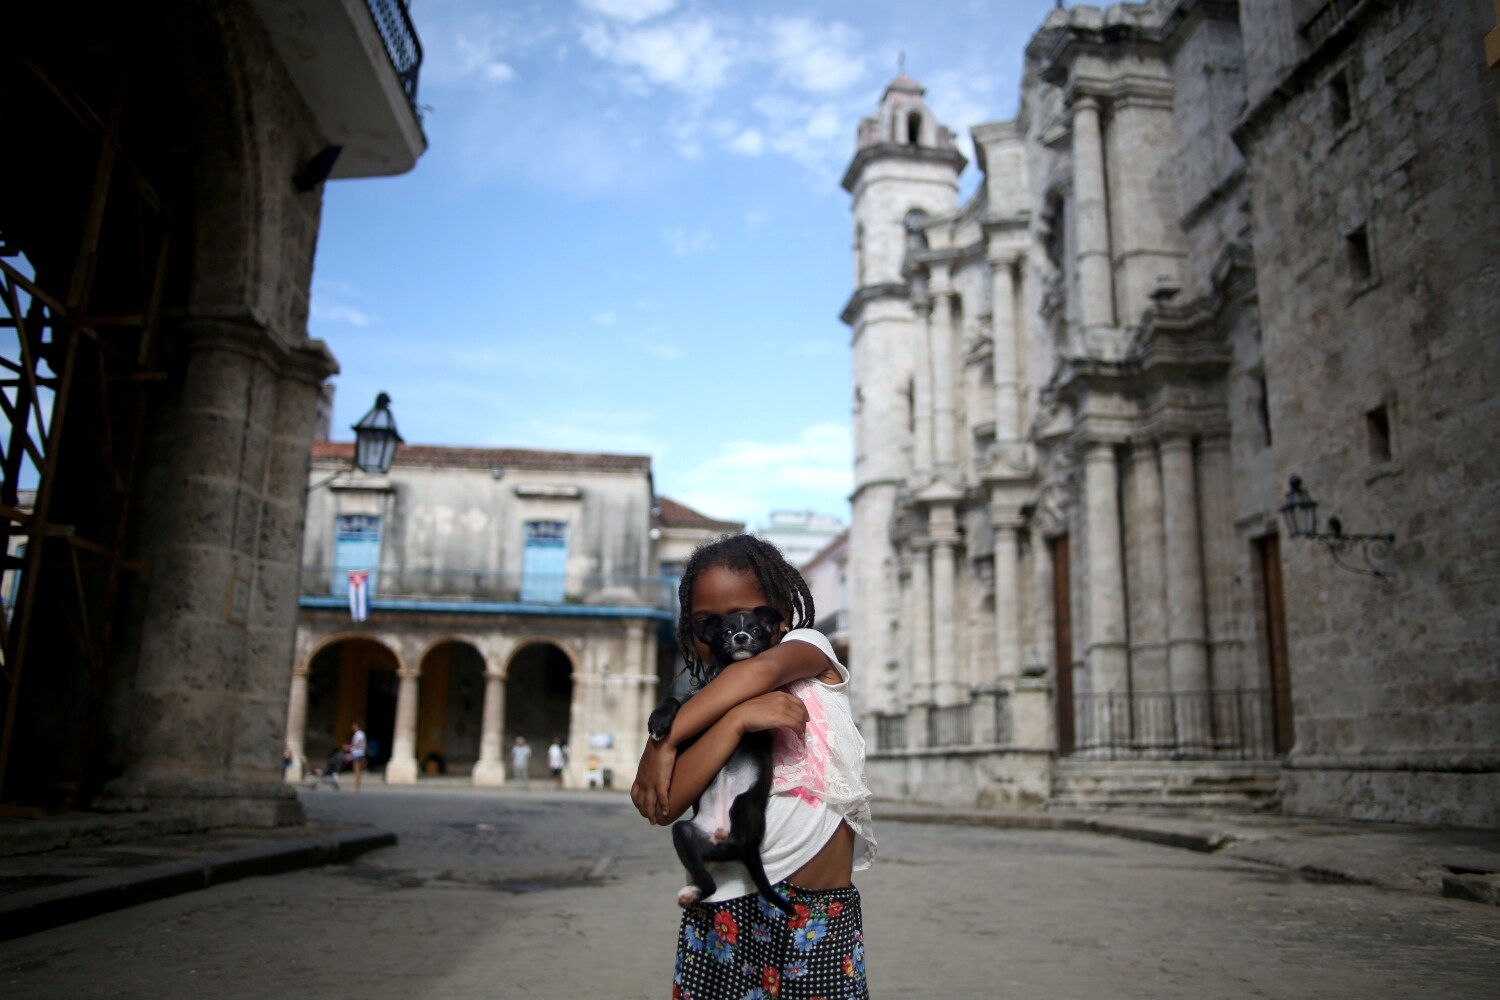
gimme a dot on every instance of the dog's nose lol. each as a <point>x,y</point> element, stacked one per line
<point>740,638</point>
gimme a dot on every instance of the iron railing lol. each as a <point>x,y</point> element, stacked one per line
<point>1327,17</point>
<point>890,732</point>
<point>949,726</point>
<point>402,46</point>
<point>467,586</point>
<point>1176,725</point>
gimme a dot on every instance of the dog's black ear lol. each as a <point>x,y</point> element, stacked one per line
<point>708,628</point>
<point>769,616</point>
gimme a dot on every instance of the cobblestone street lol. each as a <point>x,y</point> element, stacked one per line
<point>548,894</point>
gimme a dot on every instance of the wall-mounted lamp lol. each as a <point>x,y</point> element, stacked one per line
<point>1300,511</point>
<point>375,441</point>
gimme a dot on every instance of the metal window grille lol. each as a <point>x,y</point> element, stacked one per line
<point>393,21</point>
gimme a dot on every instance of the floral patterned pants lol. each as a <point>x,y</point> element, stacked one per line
<point>747,949</point>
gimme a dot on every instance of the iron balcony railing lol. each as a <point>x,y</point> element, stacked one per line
<point>1327,16</point>
<point>949,726</point>
<point>890,732</point>
<point>1176,725</point>
<point>475,586</point>
<point>402,46</point>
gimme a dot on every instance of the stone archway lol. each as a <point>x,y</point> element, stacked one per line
<point>450,708</point>
<point>350,680</point>
<point>538,700</point>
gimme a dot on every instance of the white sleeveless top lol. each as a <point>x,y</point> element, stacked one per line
<point>818,782</point>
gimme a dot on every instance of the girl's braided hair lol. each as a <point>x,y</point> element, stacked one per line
<point>778,580</point>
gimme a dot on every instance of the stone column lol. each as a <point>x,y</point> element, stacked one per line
<point>1148,595</point>
<point>944,412</point>
<point>1095,278</point>
<point>1005,347</point>
<point>1187,652</point>
<point>489,770</point>
<point>402,767</point>
<point>1227,662</point>
<point>296,723</point>
<point>1009,644</point>
<point>921,625</point>
<point>1105,654</point>
<point>944,533</point>
<point>921,400</point>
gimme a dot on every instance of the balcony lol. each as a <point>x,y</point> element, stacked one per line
<point>490,592</point>
<point>355,62</point>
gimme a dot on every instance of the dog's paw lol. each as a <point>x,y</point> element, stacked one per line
<point>659,724</point>
<point>688,895</point>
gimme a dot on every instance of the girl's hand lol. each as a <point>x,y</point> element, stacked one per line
<point>653,779</point>
<point>773,710</point>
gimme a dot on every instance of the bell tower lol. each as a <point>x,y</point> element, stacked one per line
<point>904,172</point>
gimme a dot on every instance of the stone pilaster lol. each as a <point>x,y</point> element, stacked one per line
<point>1187,647</point>
<point>1009,643</point>
<point>1227,660</point>
<point>922,392</point>
<point>1148,584</point>
<point>1105,652</point>
<point>921,688</point>
<point>1005,348</point>
<point>944,378</point>
<point>1187,655</point>
<point>947,690</point>
<point>1095,275</point>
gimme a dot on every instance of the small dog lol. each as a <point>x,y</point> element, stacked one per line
<point>729,818</point>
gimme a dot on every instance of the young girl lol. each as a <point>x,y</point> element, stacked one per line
<point>818,829</point>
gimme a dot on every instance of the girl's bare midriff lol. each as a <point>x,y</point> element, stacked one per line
<point>832,866</point>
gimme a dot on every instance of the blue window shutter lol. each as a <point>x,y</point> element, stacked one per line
<point>544,566</point>
<point>356,545</point>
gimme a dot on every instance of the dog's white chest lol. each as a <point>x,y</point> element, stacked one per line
<point>733,780</point>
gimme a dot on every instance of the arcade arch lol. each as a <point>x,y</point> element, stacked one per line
<point>539,683</point>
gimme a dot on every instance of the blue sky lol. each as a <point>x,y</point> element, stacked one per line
<point>628,235</point>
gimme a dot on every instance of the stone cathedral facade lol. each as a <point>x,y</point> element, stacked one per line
<point>1219,245</point>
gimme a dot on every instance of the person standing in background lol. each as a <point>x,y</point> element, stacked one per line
<point>520,761</point>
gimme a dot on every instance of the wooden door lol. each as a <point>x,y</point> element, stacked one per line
<point>1273,612</point>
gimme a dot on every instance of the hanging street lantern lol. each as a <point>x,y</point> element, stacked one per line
<point>375,438</point>
<point>1300,511</point>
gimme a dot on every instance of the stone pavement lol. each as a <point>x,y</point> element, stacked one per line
<point>501,893</point>
<point>57,869</point>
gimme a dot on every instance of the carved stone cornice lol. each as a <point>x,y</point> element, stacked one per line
<point>862,297</point>
<point>900,151</point>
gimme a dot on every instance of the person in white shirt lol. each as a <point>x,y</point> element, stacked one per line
<point>557,759</point>
<point>520,761</point>
<point>357,750</point>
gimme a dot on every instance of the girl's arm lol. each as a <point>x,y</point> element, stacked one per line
<point>778,666</point>
<point>700,761</point>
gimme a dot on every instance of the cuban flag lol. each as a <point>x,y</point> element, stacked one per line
<point>359,594</point>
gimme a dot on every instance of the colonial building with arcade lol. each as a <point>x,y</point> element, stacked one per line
<point>507,593</point>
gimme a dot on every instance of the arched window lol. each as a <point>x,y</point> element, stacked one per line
<point>914,128</point>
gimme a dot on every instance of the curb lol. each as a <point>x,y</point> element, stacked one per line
<point>36,910</point>
<point>1204,841</point>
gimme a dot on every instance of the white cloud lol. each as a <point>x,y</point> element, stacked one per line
<point>818,58</point>
<point>498,72</point>
<point>633,11</point>
<point>336,301</point>
<point>748,143</point>
<point>687,55</point>
<point>747,479</point>
<point>754,220</point>
<point>605,318</point>
<point>683,243</point>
